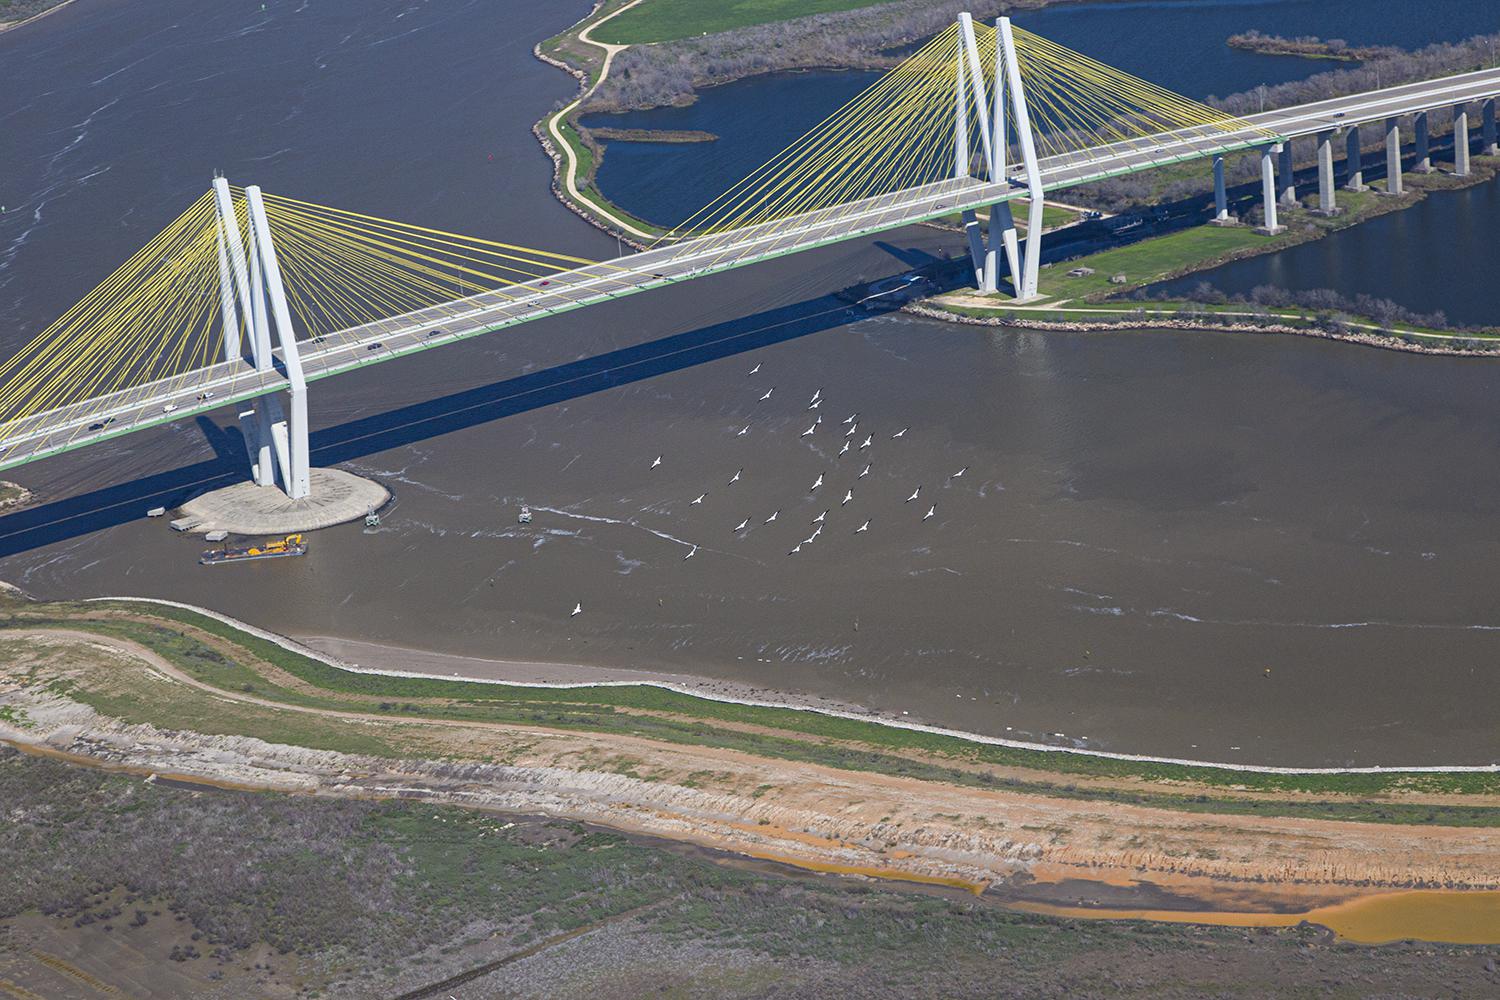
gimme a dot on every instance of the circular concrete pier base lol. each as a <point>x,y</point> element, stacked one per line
<point>247,509</point>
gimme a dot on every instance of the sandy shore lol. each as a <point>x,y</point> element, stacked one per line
<point>418,663</point>
<point>361,655</point>
<point>1012,845</point>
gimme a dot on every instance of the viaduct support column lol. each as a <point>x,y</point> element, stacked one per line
<point>1489,147</point>
<point>1326,203</point>
<point>1424,146</point>
<point>1355,161</point>
<point>1392,156</point>
<point>1221,200</point>
<point>1268,188</point>
<point>1288,174</point>
<point>1461,141</point>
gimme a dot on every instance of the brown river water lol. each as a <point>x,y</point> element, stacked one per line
<point>1146,523</point>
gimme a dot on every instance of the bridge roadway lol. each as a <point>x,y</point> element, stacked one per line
<point>95,420</point>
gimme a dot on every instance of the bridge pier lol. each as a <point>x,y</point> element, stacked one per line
<point>1424,145</point>
<point>1461,141</point>
<point>1288,174</point>
<point>1393,156</point>
<point>1268,188</point>
<point>1353,156</point>
<point>1221,198</point>
<point>1327,205</point>
<point>1488,145</point>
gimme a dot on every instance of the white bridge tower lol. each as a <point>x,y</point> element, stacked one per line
<point>252,298</point>
<point>995,132</point>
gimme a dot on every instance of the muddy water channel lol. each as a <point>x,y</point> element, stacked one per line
<point>1238,548</point>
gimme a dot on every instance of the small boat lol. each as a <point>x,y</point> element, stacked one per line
<point>156,512</point>
<point>525,516</point>
<point>372,519</point>
<point>291,545</point>
<point>216,536</point>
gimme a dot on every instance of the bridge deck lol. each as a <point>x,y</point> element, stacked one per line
<point>95,420</point>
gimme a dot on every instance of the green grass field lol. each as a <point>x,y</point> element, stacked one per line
<point>1149,260</point>
<point>666,20</point>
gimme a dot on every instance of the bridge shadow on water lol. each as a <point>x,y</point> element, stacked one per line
<point>71,517</point>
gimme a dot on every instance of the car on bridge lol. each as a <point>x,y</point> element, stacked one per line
<point>99,425</point>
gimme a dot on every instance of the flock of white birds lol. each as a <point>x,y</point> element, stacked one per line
<point>852,425</point>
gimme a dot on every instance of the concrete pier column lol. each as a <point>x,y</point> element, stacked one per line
<point>1461,141</point>
<point>1268,188</point>
<point>1288,174</point>
<point>1221,199</point>
<point>1488,145</point>
<point>1424,146</point>
<point>976,246</point>
<point>1002,239</point>
<point>1355,160</point>
<point>1393,156</point>
<point>1326,203</point>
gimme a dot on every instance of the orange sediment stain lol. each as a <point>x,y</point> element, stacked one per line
<point>1446,916</point>
<point>868,871</point>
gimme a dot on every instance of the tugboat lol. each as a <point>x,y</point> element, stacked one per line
<point>291,545</point>
<point>525,515</point>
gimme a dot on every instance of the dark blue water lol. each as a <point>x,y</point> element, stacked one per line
<point>1178,44</point>
<point>1436,256</point>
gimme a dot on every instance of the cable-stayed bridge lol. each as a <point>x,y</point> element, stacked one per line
<point>248,297</point>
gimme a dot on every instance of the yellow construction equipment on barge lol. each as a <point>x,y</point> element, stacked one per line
<point>291,545</point>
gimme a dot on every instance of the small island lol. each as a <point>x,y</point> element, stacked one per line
<point>1309,47</point>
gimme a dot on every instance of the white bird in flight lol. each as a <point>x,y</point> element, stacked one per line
<point>809,430</point>
<point>774,516</point>
<point>657,462</point>
<point>914,494</point>
<point>752,371</point>
<point>817,482</point>
<point>742,524</point>
<point>815,404</point>
<point>795,549</point>
<point>851,418</point>
<point>743,431</point>
<point>844,449</point>
<point>847,497</point>
<point>819,518</point>
<point>864,473</point>
<point>577,610</point>
<point>862,527</point>
<point>851,430</point>
<point>768,394</point>
<point>699,500</point>
<point>736,478</point>
<point>866,443</point>
<point>930,511</point>
<point>691,552</point>
<point>818,395</point>
<point>959,472</point>
<point>899,433</point>
<point>816,532</point>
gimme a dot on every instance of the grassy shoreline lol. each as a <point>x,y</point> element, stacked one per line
<point>1094,300</point>
<point>197,644</point>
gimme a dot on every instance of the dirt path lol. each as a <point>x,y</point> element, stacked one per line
<point>570,172</point>
<point>800,813</point>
